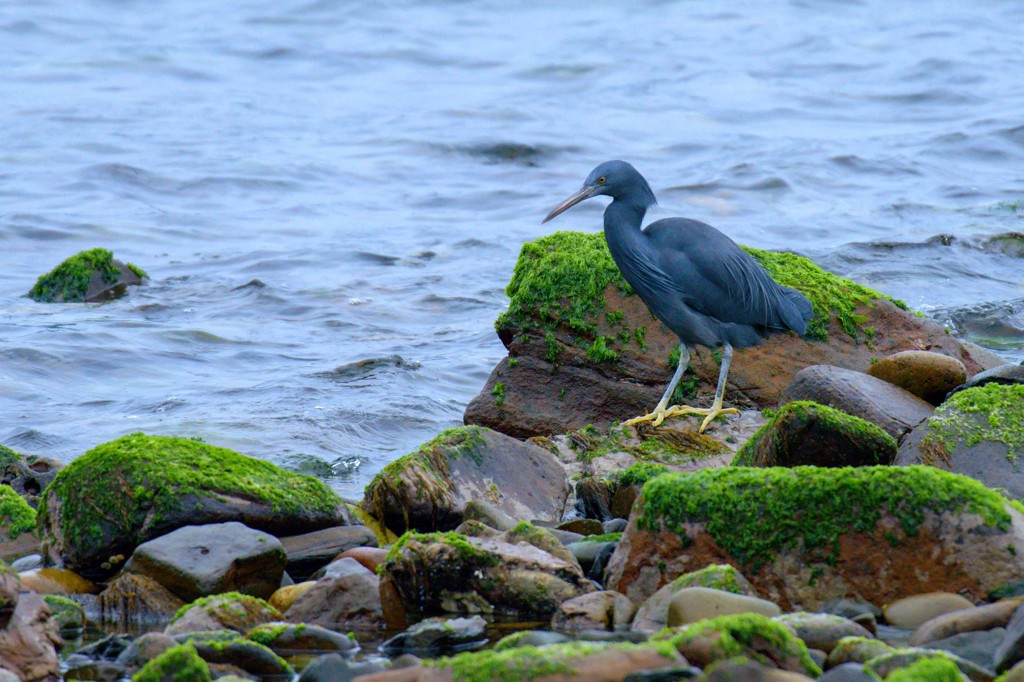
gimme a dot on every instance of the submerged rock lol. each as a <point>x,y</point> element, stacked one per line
<point>90,276</point>
<point>978,432</point>
<point>804,432</point>
<point>807,534</point>
<point>583,349</point>
<point>428,490</point>
<point>136,488</point>
<point>438,635</point>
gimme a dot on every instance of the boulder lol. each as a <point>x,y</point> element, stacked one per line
<point>927,375</point>
<point>196,561</point>
<point>246,656</point>
<point>348,599</point>
<point>311,551</point>
<point>17,526</point>
<point>436,572</point>
<point>693,604</point>
<point>913,611</point>
<point>29,638</point>
<point>89,276</point>
<point>805,535</point>
<point>861,395</point>
<point>120,494</point>
<point>583,349</point>
<point>438,635</point>
<point>911,665</point>
<point>230,611</point>
<point>605,610</point>
<point>136,600</point>
<point>427,490</point>
<point>978,432</point>
<point>144,649</point>
<point>805,432</point>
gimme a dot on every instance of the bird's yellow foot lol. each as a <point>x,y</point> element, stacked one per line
<point>661,413</point>
<point>713,412</point>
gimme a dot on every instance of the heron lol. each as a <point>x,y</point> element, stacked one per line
<point>696,280</point>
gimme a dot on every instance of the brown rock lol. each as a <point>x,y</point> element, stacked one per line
<point>604,610</point>
<point>349,601</point>
<point>927,375</point>
<point>428,490</point>
<point>132,600</point>
<point>371,557</point>
<point>582,526</point>
<point>57,581</point>
<point>30,641</point>
<point>879,402</point>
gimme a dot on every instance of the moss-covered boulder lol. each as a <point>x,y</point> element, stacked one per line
<point>925,665</point>
<point>27,475</point>
<point>133,489</point>
<point>243,654</point>
<point>804,432</point>
<point>90,276</point>
<point>17,526</point>
<point>175,665</point>
<point>286,639</point>
<point>805,535</point>
<point>584,349</point>
<point>67,613</point>
<point>438,572</point>
<point>978,432</point>
<point>427,490</point>
<point>751,635</point>
<point>228,611</point>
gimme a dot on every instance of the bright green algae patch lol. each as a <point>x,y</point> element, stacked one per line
<point>226,600</point>
<point>530,662</point>
<point>463,546</point>
<point>139,480</point>
<point>69,281</point>
<point>755,513</point>
<point>742,635</point>
<point>15,513</point>
<point>935,669</point>
<point>716,576</point>
<point>180,663</point>
<point>1003,408</point>
<point>853,428</point>
<point>560,279</point>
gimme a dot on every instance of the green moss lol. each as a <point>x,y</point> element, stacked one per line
<point>215,602</point>
<point>69,281</point>
<point>241,648</point>
<point>755,513</point>
<point>67,613</point>
<point>464,547</point>
<point>523,663</point>
<point>658,447</point>
<point>499,393</point>
<point>638,474</point>
<point>15,513</point>
<point>604,537</point>
<point>137,271</point>
<point>268,633</point>
<point>716,576</point>
<point>614,317</point>
<point>853,428</point>
<point>8,457</point>
<point>955,420</point>
<point>180,663</point>
<point>600,352</point>
<point>829,294</point>
<point>512,362</point>
<point>860,649</point>
<point>118,488</point>
<point>743,635</point>
<point>935,669</point>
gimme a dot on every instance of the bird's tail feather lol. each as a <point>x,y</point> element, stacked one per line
<point>795,310</point>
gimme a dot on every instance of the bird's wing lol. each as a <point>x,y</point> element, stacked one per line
<point>716,277</point>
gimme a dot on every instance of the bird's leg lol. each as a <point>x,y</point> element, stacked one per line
<point>716,407</point>
<point>662,410</point>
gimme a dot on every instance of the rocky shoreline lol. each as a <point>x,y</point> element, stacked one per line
<point>860,520</point>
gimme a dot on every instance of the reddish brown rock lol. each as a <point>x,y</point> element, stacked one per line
<point>30,641</point>
<point>371,557</point>
<point>605,610</point>
<point>132,599</point>
<point>348,600</point>
<point>927,375</point>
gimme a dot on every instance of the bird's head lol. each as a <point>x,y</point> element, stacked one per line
<point>616,179</point>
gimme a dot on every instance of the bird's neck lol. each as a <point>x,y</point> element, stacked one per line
<point>623,218</point>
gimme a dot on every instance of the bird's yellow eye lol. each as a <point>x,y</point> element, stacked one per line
<point>600,181</point>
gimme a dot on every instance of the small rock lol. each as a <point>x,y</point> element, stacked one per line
<point>928,665</point>
<point>582,526</point>
<point>652,615</point>
<point>68,614</point>
<point>371,557</point>
<point>30,640</point>
<point>983,617</point>
<point>334,668</point>
<point>1011,650</point>
<point>614,525</point>
<point>89,276</point>
<point>287,639</point>
<point>595,498</point>
<point>535,638</point>
<point>692,604</point>
<point>742,669</point>
<point>822,631</point>
<point>310,551</point>
<point>349,601</point>
<point>863,614</point>
<point>195,561</point>
<point>879,402</point>
<point>27,563</point>
<point>977,647</point>
<point>245,655</point>
<point>175,664</point>
<point>57,581</point>
<point>233,611</point>
<point>438,635</point>
<point>134,600</point>
<point>284,597</point>
<point>925,374</point>
<point>108,648</point>
<point>586,553</point>
<point>105,671</point>
<point>856,650</point>
<point>604,610</point>
<point>1014,674</point>
<point>340,568</point>
<point>806,433</point>
<point>145,648</point>
<point>488,514</point>
<point>847,672</point>
<point>912,612</point>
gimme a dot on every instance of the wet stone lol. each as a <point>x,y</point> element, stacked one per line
<point>912,612</point>
<point>438,635</point>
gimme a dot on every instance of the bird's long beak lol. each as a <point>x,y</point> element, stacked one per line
<point>584,192</point>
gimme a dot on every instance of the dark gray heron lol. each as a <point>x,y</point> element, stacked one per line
<point>694,279</point>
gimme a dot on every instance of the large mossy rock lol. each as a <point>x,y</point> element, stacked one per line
<point>427,490</point>
<point>805,535</point>
<point>584,349</point>
<point>978,432</point>
<point>136,488</point>
<point>17,526</point>
<point>89,276</point>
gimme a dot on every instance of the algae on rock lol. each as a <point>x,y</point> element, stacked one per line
<point>88,275</point>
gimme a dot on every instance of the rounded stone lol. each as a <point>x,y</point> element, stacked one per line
<point>926,374</point>
<point>692,604</point>
<point>286,596</point>
<point>912,612</point>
